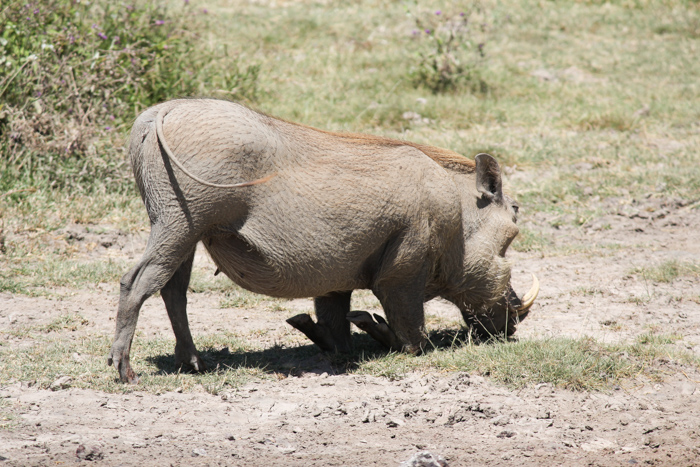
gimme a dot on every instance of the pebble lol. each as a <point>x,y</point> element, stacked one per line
<point>501,420</point>
<point>393,422</point>
<point>199,452</point>
<point>425,459</point>
<point>62,382</point>
<point>92,454</point>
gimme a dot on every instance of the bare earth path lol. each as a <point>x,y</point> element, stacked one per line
<point>318,418</point>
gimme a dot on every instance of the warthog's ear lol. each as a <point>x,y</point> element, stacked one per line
<point>488,177</point>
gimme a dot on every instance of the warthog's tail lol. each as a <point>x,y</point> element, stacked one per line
<point>171,156</point>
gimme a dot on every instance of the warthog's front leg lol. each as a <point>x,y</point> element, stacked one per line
<point>403,330</point>
<point>332,332</point>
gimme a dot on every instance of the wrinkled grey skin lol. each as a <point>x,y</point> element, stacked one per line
<point>340,213</point>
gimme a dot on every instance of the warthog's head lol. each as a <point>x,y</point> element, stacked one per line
<point>489,226</point>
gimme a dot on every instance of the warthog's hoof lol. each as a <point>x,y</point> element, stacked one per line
<point>189,359</point>
<point>121,363</point>
<point>319,335</point>
<point>379,329</point>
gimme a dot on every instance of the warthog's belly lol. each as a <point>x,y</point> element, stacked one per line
<point>286,276</point>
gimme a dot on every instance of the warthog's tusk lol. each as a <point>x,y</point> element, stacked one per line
<point>529,298</point>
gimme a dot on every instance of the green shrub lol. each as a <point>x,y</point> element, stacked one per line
<point>73,75</point>
<point>450,54</point>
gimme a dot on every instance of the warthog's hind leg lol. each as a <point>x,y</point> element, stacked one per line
<point>332,332</point>
<point>160,261</point>
<point>175,297</point>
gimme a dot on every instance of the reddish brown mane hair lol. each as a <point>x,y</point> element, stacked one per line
<point>444,157</point>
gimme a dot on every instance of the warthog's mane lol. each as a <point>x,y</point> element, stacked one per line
<point>444,157</point>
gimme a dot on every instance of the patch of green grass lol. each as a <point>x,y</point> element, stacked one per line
<point>654,340</point>
<point>575,364</point>
<point>84,360</point>
<point>7,418</point>
<point>668,271</point>
<point>35,277</point>
<point>66,322</point>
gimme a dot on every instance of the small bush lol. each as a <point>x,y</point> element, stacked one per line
<point>74,73</point>
<point>449,55</point>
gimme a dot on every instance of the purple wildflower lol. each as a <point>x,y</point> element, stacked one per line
<point>108,128</point>
<point>160,22</point>
<point>439,12</point>
<point>427,31</point>
<point>38,94</point>
<point>187,2</point>
<point>102,36</point>
<point>36,12</point>
<point>461,14</point>
<point>205,11</point>
<point>94,26</point>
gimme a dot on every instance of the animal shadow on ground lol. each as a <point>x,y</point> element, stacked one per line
<point>294,361</point>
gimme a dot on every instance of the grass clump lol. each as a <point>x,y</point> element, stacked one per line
<point>36,277</point>
<point>7,419</point>
<point>574,364</point>
<point>84,360</point>
<point>449,55</point>
<point>668,271</point>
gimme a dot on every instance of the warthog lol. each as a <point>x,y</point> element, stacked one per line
<point>291,211</point>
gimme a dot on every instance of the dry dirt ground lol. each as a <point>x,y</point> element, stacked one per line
<point>323,418</point>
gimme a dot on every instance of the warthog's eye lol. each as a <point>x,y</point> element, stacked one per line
<point>516,208</point>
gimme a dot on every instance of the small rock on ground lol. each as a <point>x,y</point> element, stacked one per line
<point>425,459</point>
